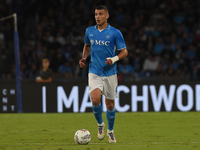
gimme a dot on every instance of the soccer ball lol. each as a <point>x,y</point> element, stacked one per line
<point>82,137</point>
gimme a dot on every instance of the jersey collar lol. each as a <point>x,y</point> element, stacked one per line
<point>108,27</point>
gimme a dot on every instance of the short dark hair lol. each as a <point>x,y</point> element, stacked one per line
<point>102,7</point>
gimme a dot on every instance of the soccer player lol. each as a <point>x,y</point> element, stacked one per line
<point>106,46</point>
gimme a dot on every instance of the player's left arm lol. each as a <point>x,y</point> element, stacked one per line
<point>122,54</point>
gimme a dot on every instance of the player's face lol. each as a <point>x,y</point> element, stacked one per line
<point>101,16</point>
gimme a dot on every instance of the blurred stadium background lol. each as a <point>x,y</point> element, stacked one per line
<point>162,37</point>
<point>165,33</point>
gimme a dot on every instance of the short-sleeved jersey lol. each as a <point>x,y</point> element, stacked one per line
<point>103,44</point>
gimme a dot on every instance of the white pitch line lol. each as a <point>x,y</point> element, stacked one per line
<point>175,142</point>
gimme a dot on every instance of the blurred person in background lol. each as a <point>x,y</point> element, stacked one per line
<point>65,70</point>
<point>150,65</point>
<point>174,22</point>
<point>125,70</point>
<point>45,74</point>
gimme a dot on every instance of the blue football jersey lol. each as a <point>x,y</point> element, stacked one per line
<point>104,43</point>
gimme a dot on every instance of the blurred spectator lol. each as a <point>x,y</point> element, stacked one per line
<point>55,30</point>
<point>179,17</point>
<point>65,70</point>
<point>175,64</point>
<point>33,71</point>
<point>170,71</point>
<point>24,71</point>
<point>150,65</point>
<point>191,53</point>
<point>84,72</point>
<point>68,47</point>
<point>125,70</point>
<point>75,69</point>
<point>195,72</point>
<point>57,59</point>
<point>39,50</point>
<point>159,46</point>
<point>45,74</point>
<point>160,72</point>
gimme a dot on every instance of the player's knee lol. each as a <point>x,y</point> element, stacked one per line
<point>95,101</point>
<point>110,105</point>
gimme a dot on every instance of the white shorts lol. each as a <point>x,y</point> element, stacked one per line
<point>107,85</point>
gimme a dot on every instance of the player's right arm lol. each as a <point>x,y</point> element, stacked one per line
<point>86,52</point>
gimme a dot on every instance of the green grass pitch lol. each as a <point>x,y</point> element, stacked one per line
<point>133,131</point>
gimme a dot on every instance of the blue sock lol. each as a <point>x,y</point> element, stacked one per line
<point>97,110</point>
<point>111,118</point>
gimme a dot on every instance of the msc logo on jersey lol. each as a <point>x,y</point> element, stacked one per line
<point>100,42</point>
